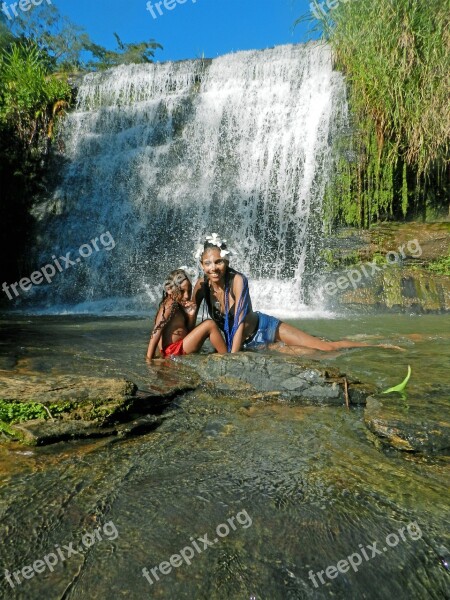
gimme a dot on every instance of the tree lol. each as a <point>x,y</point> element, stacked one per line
<point>70,48</point>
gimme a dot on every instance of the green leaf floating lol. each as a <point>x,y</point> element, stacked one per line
<point>401,386</point>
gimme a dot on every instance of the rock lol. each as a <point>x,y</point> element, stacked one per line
<point>74,406</point>
<point>40,433</point>
<point>401,280</point>
<point>398,288</point>
<point>271,376</point>
<point>80,397</point>
<point>415,424</point>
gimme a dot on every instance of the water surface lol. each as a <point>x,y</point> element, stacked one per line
<point>314,482</point>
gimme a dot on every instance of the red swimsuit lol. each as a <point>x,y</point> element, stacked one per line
<point>175,349</point>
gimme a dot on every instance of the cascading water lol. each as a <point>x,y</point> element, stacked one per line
<point>160,155</point>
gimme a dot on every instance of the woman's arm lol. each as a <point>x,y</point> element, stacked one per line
<point>238,289</point>
<point>237,340</point>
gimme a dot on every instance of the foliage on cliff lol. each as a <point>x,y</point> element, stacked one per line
<point>30,97</point>
<point>70,48</point>
<point>38,48</point>
<point>396,58</point>
<point>31,101</point>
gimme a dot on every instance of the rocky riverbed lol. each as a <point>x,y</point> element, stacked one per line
<point>148,457</point>
<point>399,267</point>
<point>82,407</point>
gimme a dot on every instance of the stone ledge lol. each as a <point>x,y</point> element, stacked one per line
<point>405,425</point>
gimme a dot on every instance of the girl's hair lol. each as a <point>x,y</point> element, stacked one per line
<point>172,284</point>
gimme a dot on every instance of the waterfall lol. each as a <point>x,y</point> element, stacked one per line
<point>161,154</point>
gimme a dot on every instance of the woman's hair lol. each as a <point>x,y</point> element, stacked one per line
<point>172,284</point>
<point>207,245</point>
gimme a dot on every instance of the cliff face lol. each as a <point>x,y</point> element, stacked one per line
<point>393,266</point>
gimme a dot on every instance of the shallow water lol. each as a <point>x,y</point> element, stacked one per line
<point>314,483</point>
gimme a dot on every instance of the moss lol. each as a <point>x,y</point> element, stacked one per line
<point>12,411</point>
<point>6,429</point>
<point>15,412</point>
<point>440,266</point>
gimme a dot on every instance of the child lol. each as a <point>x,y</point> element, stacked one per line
<point>176,317</point>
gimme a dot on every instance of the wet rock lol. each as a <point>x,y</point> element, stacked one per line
<point>40,433</point>
<point>412,424</point>
<point>267,376</point>
<point>73,406</point>
<point>401,280</point>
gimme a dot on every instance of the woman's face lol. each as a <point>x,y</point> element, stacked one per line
<point>214,265</point>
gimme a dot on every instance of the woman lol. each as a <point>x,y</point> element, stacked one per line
<point>227,298</point>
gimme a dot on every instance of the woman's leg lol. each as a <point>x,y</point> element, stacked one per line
<point>292,336</point>
<point>195,339</point>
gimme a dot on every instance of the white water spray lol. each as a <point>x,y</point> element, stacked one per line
<point>160,155</point>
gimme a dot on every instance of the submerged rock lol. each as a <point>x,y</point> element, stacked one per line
<point>74,406</point>
<point>412,424</point>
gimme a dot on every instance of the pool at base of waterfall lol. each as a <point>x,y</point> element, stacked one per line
<point>229,497</point>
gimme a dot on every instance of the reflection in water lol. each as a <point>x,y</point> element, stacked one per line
<point>316,486</point>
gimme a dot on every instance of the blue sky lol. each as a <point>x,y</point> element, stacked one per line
<point>192,29</point>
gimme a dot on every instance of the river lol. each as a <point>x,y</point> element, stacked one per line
<point>286,491</point>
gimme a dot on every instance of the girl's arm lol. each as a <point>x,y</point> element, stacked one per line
<point>238,288</point>
<point>156,335</point>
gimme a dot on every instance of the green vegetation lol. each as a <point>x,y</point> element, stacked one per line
<point>38,50</point>
<point>441,266</point>
<point>396,59</point>
<point>16,412</point>
<point>12,411</point>
<point>30,99</point>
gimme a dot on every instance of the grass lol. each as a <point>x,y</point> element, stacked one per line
<point>396,59</point>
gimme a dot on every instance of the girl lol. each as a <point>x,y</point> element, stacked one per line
<point>226,295</point>
<point>173,322</point>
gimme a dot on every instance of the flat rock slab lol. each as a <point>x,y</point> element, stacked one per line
<point>269,376</point>
<point>49,390</point>
<point>82,407</point>
<point>412,424</point>
<point>41,433</point>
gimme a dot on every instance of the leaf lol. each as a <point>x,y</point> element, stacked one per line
<point>401,386</point>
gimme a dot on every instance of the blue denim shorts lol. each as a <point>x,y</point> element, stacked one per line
<point>265,333</point>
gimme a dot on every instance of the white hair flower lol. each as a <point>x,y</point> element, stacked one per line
<point>223,253</point>
<point>215,239</point>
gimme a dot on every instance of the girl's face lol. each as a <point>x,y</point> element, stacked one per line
<point>214,265</point>
<point>181,293</point>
